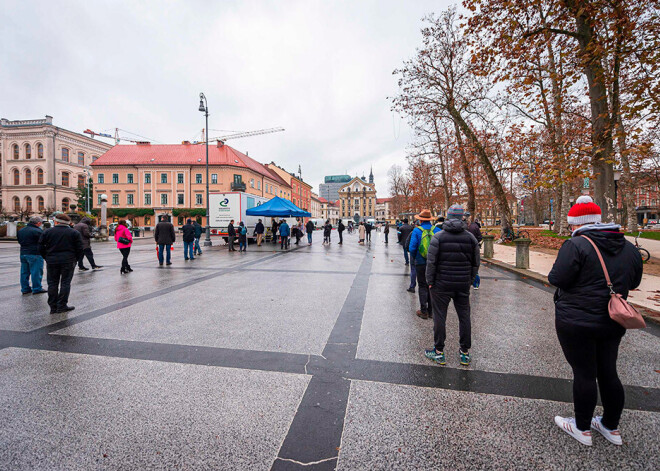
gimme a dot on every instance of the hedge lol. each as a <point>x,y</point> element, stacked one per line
<point>188,212</point>
<point>123,212</point>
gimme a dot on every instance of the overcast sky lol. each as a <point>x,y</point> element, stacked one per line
<point>320,69</point>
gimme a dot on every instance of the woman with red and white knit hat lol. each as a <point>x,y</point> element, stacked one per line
<point>588,336</point>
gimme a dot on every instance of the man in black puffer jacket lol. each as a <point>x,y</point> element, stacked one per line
<point>452,263</point>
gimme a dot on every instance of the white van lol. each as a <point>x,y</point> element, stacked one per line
<point>223,207</point>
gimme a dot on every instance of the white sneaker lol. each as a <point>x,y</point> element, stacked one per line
<point>613,436</point>
<point>568,425</point>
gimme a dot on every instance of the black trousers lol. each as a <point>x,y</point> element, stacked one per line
<point>284,242</point>
<point>90,258</point>
<point>341,236</point>
<point>124,260</point>
<point>59,277</point>
<point>592,356</point>
<point>440,305</point>
<point>425,301</point>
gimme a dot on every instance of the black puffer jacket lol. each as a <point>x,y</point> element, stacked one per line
<point>404,232</point>
<point>453,258</point>
<point>582,293</point>
<point>28,237</point>
<point>60,244</point>
<point>188,231</point>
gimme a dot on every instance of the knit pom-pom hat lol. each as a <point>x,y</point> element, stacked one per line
<point>584,211</point>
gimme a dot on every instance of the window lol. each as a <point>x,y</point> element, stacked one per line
<point>251,182</point>
<point>198,198</point>
<point>179,178</point>
<point>179,198</point>
<point>65,154</point>
<point>147,178</point>
<point>40,203</point>
<point>28,176</point>
<point>115,178</point>
<point>65,178</point>
<point>258,185</point>
<point>40,151</point>
<point>129,199</point>
<point>28,203</point>
<point>17,204</point>
<point>250,203</point>
<point>28,151</point>
<point>16,155</point>
<point>81,181</point>
<point>81,158</point>
<point>147,199</point>
<point>179,220</point>
<point>100,178</point>
<point>115,198</point>
<point>163,199</point>
<point>198,178</point>
<point>65,204</point>
<point>94,157</point>
<point>40,176</point>
<point>214,178</point>
<point>98,198</point>
<point>147,220</point>
<point>163,178</point>
<point>129,178</point>
<point>238,179</point>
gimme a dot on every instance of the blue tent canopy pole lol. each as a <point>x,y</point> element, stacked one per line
<point>278,207</point>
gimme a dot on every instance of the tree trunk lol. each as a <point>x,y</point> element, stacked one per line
<point>443,172</point>
<point>471,202</point>
<point>498,191</point>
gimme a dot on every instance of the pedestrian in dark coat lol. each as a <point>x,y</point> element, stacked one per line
<point>285,232</point>
<point>403,233</point>
<point>452,264</point>
<point>386,231</point>
<point>588,336</point>
<point>61,247</point>
<point>327,231</point>
<point>188,236</point>
<point>273,230</point>
<point>165,238</point>
<point>309,227</point>
<point>368,227</point>
<point>84,227</point>
<point>198,235</point>
<point>259,231</point>
<point>340,230</point>
<point>231,235</point>
<point>242,237</point>
<point>32,263</point>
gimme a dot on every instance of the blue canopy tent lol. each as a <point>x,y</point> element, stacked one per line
<point>278,207</point>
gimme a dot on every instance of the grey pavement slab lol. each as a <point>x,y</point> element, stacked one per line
<point>63,411</point>
<point>251,310</point>
<point>512,332</point>
<point>405,427</point>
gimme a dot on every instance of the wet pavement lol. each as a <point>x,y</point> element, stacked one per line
<point>306,359</point>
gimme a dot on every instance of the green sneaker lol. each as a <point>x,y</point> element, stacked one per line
<point>465,358</point>
<point>439,358</point>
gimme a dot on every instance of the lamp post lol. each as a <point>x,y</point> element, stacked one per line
<point>87,208</point>
<point>617,177</point>
<point>204,108</point>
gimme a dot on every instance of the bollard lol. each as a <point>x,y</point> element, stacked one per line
<point>488,245</point>
<point>522,253</point>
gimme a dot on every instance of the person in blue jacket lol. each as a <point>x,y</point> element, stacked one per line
<point>32,263</point>
<point>285,232</point>
<point>420,239</point>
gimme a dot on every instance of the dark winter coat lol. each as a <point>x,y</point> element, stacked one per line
<point>259,228</point>
<point>453,258</point>
<point>582,293</point>
<point>404,232</point>
<point>231,232</point>
<point>341,227</point>
<point>188,231</point>
<point>386,229</point>
<point>28,238</point>
<point>85,232</point>
<point>198,230</point>
<point>309,227</point>
<point>242,234</point>
<point>475,230</point>
<point>274,227</point>
<point>164,233</point>
<point>60,244</point>
<point>368,227</point>
<point>327,230</point>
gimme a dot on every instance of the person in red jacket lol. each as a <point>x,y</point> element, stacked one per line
<point>124,241</point>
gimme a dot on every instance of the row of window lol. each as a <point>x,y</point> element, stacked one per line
<point>27,178</point>
<point>27,153</point>
<point>28,206</point>
<point>130,199</point>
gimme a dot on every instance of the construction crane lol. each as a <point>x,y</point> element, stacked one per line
<point>115,137</point>
<point>239,135</point>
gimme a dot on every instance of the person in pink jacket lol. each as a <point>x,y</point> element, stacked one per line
<point>124,241</point>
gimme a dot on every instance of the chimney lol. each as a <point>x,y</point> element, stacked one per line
<point>185,143</point>
<point>220,143</point>
<point>143,143</point>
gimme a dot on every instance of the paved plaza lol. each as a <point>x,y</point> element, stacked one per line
<point>308,359</point>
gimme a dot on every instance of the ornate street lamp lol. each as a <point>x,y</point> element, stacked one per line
<point>204,108</point>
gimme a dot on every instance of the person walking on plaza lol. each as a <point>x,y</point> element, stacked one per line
<point>197,250</point>
<point>588,336</point>
<point>242,237</point>
<point>231,235</point>
<point>61,247</point>
<point>368,227</point>
<point>259,230</point>
<point>453,262</point>
<point>386,231</point>
<point>285,232</point>
<point>420,239</point>
<point>274,229</point>
<point>327,231</point>
<point>188,236</point>
<point>124,240</point>
<point>298,230</point>
<point>413,270</point>
<point>32,263</point>
<point>86,233</point>
<point>340,230</point>
<point>362,231</point>
<point>403,233</point>
<point>165,237</point>
<point>309,227</point>
<point>475,230</point>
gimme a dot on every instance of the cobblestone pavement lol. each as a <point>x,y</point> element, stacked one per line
<point>306,359</point>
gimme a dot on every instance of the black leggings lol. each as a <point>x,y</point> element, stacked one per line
<point>124,260</point>
<point>592,356</point>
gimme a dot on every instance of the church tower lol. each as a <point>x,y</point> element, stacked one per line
<point>371,175</point>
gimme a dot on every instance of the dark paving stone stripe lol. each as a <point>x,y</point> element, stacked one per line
<point>486,382</point>
<point>130,302</point>
<point>316,429</point>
